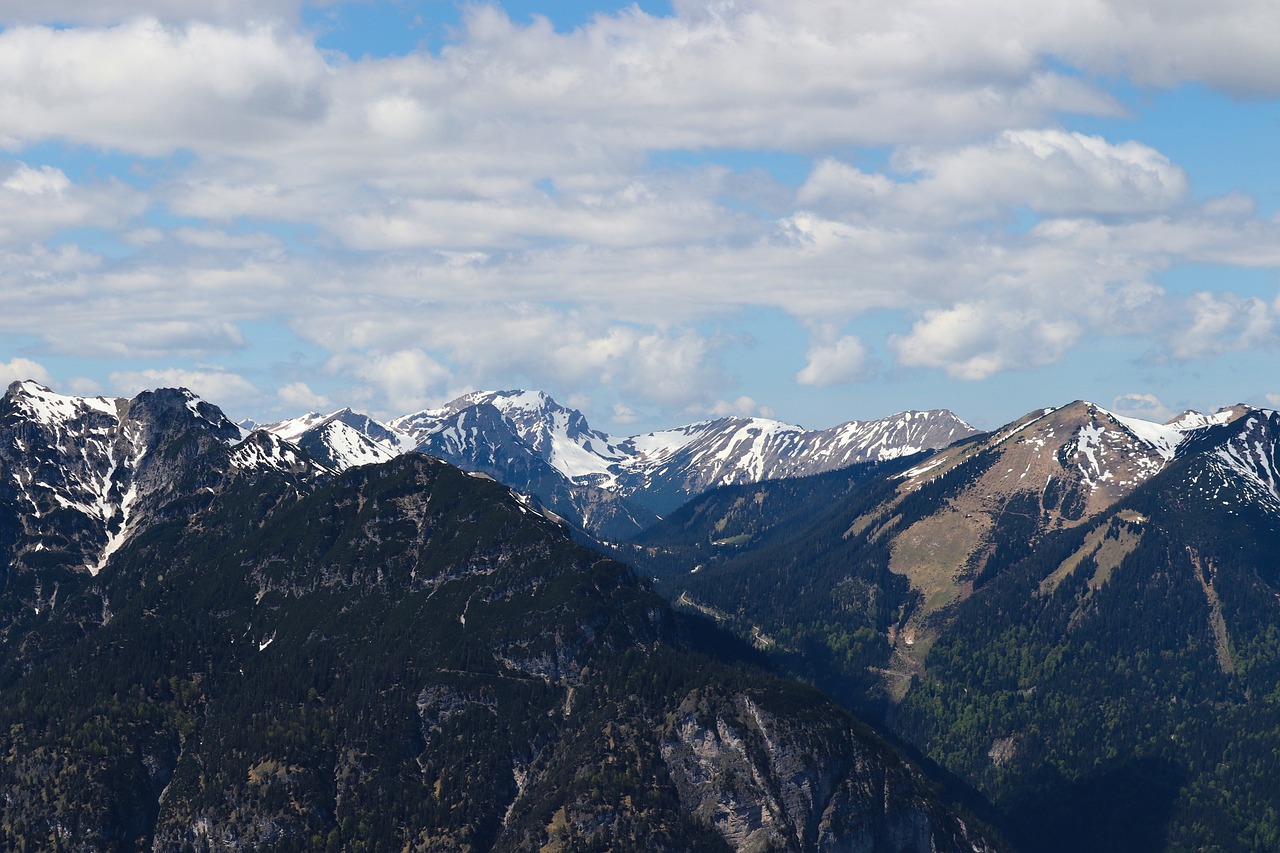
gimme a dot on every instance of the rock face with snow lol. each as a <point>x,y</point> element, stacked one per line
<point>1057,468</point>
<point>664,469</point>
<point>609,486</point>
<point>76,470</point>
<point>1077,590</point>
<point>661,470</point>
<point>80,476</point>
<point>537,447</point>
<point>946,525</point>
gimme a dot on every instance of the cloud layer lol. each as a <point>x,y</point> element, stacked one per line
<point>565,207</point>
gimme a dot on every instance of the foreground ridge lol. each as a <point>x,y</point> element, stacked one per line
<point>405,656</point>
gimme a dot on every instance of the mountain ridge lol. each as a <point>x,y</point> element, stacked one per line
<point>609,486</point>
<point>1072,613</point>
<point>283,657</point>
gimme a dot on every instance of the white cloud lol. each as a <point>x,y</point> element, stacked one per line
<point>403,381</point>
<point>1228,45</point>
<point>298,395</point>
<point>624,414</point>
<point>977,340</point>
<point>84,386</point>
<point>1049,171</point>
<point>218,386</point>
<point>97,12</point>
<point>598,97</point>
<point>33,182</point>
<point>1145,406</point>
<point>19,369</point>
<point>1215,323</point>
<point>835,362</point>
<point>37,202</point>
<point>151,88</point>
<point>482,344</point>
<point>493,210</point>
<point>743,407</point>
<point>212,239</point>
<point>151,337</point>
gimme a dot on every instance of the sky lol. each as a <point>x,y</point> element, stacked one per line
<point>657,212</point>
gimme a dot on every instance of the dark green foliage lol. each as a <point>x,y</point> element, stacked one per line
<point>402,658</point>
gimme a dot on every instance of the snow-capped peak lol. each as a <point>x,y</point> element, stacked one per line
<point>47,406</point>
<point>264,450</point>
<point>1192,420</point>
<point>93,458</point>
<point>293,428</point>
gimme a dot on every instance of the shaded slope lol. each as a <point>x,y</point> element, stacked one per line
<point>406,656</point>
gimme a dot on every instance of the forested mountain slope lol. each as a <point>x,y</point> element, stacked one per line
<point>401,656</point>
<point>1078,613</point>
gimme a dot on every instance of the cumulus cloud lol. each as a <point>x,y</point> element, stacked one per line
<point>219,386</point>
<point>1051,172</point>
<point>743,407</point>
<point>404,381</point>
<point>1224,44</point>
<point>19,369</point>
<point>151,88</point>
<point>1216,323</point>
<point>624,414</point>
<point>214,239</point>
<point>99,12</point>
<point>298,395</point>
<point>834,362</point>
<point>478,345</point>
<point>84,386</point>
<point>38,201</point>
<point>977,340</point>
<point>750,77</point>
<point>502,208</point>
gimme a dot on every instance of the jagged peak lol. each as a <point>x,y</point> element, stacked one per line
<point>264,450</point>
<point>183,402</point>
<point>505,401</point>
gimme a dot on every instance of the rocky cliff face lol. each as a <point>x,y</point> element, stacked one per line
<point>768,783</point>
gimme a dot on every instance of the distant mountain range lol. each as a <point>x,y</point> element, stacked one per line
<point>608,486</point>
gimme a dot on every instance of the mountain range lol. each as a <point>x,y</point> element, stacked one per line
<point>213,641</point>
<point>611,487</point>
<point>1078,613</point>
<point>1075,616</point>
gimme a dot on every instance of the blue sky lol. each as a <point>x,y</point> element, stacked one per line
<point>658,212</point>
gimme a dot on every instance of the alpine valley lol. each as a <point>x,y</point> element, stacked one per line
<point>335,633</point>
<point>1078,613</point>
